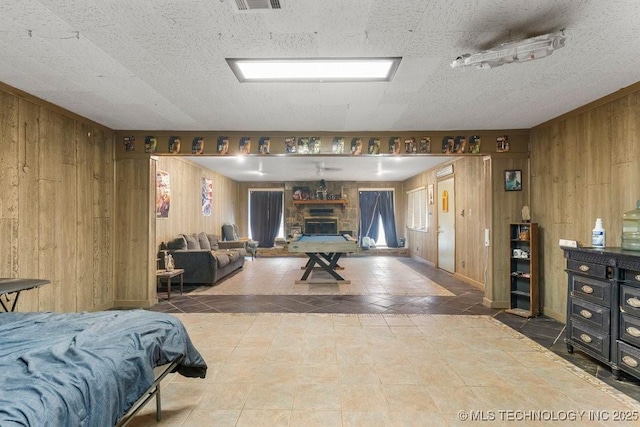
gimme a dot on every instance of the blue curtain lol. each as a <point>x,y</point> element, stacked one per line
<point>265,216</point>
<point>388,218</point>
<point>369,214</point>
<point>375,205</point>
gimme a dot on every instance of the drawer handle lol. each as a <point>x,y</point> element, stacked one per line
<point>638,277</point>
<point>584,267</point>
<point>633,331</point>
<point>587,289</point>
<point>586,338</point>
<point>586,314</point>
<point>634,302</point>
<point>630,361</point>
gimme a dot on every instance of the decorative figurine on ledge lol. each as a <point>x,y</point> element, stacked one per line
<point>526,216</point>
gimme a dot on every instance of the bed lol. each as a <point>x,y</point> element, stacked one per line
<point>88,369</point>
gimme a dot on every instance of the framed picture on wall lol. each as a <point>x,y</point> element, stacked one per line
<point>301,193</point>
<point>513,180</point>
<point>430,194</point>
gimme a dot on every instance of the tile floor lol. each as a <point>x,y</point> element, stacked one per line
<point>361,359</point>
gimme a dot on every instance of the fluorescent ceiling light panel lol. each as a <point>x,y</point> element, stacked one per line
<point>315,69</point>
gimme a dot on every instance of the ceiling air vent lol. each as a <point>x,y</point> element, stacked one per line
<point>257,5</point>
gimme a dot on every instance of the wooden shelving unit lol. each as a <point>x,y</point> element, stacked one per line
<point>523,270</point>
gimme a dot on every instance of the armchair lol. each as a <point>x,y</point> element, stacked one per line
<point>230,234</point>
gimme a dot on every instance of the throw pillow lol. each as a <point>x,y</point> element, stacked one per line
<point>203,240</point>
<point>177,244</point>
<point>192,241</point>
<point>213,241</point>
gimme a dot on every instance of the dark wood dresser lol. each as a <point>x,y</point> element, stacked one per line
<point>603,306</point>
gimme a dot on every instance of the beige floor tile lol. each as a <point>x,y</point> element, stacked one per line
<point>398,374</point>
<point>278,372</point>
<point>214,417</point>
<point>319,373</point>
<point>271,396</point>
<point>409,398</point>
<point>317,397</point>
<point>363,397</point>
<point>315,419</point>
<point>366,419</point>
<point>358,370</point>
<point>358,374</point>
<point>264,418</point>
<point>439,374</point>
<point>224,396</point>
<point>454,399</point>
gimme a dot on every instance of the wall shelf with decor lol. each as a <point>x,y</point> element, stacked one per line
<point>316,202</point>
<point>523,270</point>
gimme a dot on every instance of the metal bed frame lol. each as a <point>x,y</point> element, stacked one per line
<point>150,393</point>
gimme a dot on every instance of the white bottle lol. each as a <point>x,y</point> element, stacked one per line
<point>598,236</point>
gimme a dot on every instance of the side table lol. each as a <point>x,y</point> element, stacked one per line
<point>164,274</point>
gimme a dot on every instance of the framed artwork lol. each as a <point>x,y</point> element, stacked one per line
<point>244,145</point>
<point>301,193</point>
<point>163,194</point>
<point>264,145</point>
<point>174,145</point>
<point>207,196</point>
<point>513,180</point>
<point>223,145</point>
<point>431,199</point>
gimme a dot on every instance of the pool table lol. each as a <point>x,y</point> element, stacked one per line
<point>323,250</point>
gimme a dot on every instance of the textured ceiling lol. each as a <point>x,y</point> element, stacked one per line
<point>160,64</point>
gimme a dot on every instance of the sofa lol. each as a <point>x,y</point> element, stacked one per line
<point>204,257</point>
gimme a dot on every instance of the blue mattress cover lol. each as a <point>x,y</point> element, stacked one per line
<point>85,369</point>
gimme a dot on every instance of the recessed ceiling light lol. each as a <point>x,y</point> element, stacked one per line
<point>315,69</point>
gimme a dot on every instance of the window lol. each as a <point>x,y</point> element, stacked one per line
<point>417,209</point>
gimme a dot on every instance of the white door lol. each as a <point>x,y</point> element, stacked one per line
<point>446,226</point>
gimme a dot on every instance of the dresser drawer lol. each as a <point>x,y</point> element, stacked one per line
<point>594,270</point>
<point>593,315</point>
<point>632,276</point>
<point>630,329</point>
<point>588,338</point>
<point>591,290</point>
<point>630,300</point>
<point>629,358</point>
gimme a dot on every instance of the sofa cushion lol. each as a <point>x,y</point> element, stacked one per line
<point>213,241</point>
<point>203,241</point>
<point>233,255</point>
<point>222,259</point>
<point>192,241</point>
<point>179,243</point>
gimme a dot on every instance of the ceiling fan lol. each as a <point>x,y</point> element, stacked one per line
<point>321,168</point>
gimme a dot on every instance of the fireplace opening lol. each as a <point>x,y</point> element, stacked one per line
<point>321,225</point>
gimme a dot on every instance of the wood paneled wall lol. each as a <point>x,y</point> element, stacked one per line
<point>505,208</point>
<point>469,219</point>
<point>584,165</point>
<point>481,202</point>
<point>185,215</point>
<point>56,210</point>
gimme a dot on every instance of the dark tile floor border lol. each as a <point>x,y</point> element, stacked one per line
<point>467,300</point>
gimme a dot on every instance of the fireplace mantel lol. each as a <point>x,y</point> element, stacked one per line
<point>342,202</point>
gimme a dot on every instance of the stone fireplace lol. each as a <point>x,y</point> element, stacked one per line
<point>321,225</point>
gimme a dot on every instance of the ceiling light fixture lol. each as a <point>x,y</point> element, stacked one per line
<point>514,52</point>
<point>316,70</point>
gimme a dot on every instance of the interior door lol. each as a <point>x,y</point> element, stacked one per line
<point>446,226</point>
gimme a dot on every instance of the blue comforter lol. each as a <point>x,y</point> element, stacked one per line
<point>85,369</point>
